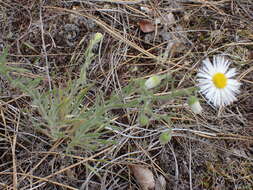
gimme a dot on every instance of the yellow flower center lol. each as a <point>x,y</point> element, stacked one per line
<point>220,80</point>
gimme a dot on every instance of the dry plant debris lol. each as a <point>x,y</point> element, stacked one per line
<point>146,26</point>
<point>144,176</point>
<point>207,149</point>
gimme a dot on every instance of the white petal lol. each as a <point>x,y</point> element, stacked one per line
<point>206,87</point>
<point>233,85</point>
<point>218,98</point>
<point>221,63</point>
<point>229,95</point>
<point>225,97</point>
<point>208,67</point>
<point>231,73</point>
<point>204,75</point>
<point>205,81</point>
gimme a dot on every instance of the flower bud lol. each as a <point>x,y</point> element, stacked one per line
<point>193,102</point>
<point>143,119</point>
<point>165,137</point>
<point>153,82</point>
<point>97,38</point>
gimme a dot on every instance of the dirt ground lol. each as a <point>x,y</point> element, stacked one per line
<point>213,150</point>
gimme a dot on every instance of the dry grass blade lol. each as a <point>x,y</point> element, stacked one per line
<point>119,1</point>
<point>44,47</point>
<point>40,180</point>
<point>108,29</point>
<point>13,148</point>
<point>41,161</point>
<point>69,167</point>
<point>49,39</point>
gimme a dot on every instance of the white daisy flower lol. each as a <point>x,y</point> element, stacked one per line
<point>216,83</point>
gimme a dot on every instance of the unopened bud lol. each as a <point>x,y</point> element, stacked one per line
<point>143,119</point>
<point>153,81</point>
<point>97,37</point>
<point>193,102</point>
<point>165,137</point>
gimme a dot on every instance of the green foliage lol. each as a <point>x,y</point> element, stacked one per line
<point>14,73</point>
<point>145,100</point>
<point>61,112</point>
<point>65,112</point>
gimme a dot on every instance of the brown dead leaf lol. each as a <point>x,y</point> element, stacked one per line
<point>146,26</point>
<point>144,177</point>
<point>250,55</point>
<point>160,183</point>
